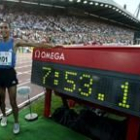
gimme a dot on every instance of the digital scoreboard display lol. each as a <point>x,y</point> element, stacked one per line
<point>66,71</point>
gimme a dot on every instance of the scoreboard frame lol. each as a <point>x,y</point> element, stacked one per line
<point>121,60</point>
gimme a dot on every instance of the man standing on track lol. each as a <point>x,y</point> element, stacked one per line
<point>8,78</point>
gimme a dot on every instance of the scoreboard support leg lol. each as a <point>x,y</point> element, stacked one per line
<point>47,109</point>
<point>133,128</point>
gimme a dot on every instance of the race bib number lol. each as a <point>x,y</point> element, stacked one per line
<point>6,58</point>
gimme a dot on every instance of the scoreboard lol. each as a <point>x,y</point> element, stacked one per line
<point>108,76</point>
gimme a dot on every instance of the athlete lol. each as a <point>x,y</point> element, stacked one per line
<point>8,78</point>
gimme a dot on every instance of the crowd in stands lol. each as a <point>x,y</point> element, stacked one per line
<point>64,29</point>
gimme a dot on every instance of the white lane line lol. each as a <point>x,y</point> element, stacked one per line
<point>24,83</point>
<point>23,104</point>
<point>19,73</point>
<point>21,81</point>
<point>29,73</point>
<point>31,99</point>
<point>23,62</point>
<point>26,72</point>
<point>23,66</point>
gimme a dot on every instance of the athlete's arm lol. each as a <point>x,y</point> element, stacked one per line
<point>22,43</point>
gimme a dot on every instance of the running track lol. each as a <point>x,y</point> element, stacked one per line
<point>23,69</point>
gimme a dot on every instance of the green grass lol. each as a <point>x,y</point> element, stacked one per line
<point>38,106</point>
<point>41,129</point>
<point>56,102</point>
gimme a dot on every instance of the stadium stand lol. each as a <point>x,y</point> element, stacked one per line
<point>98,25</point>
